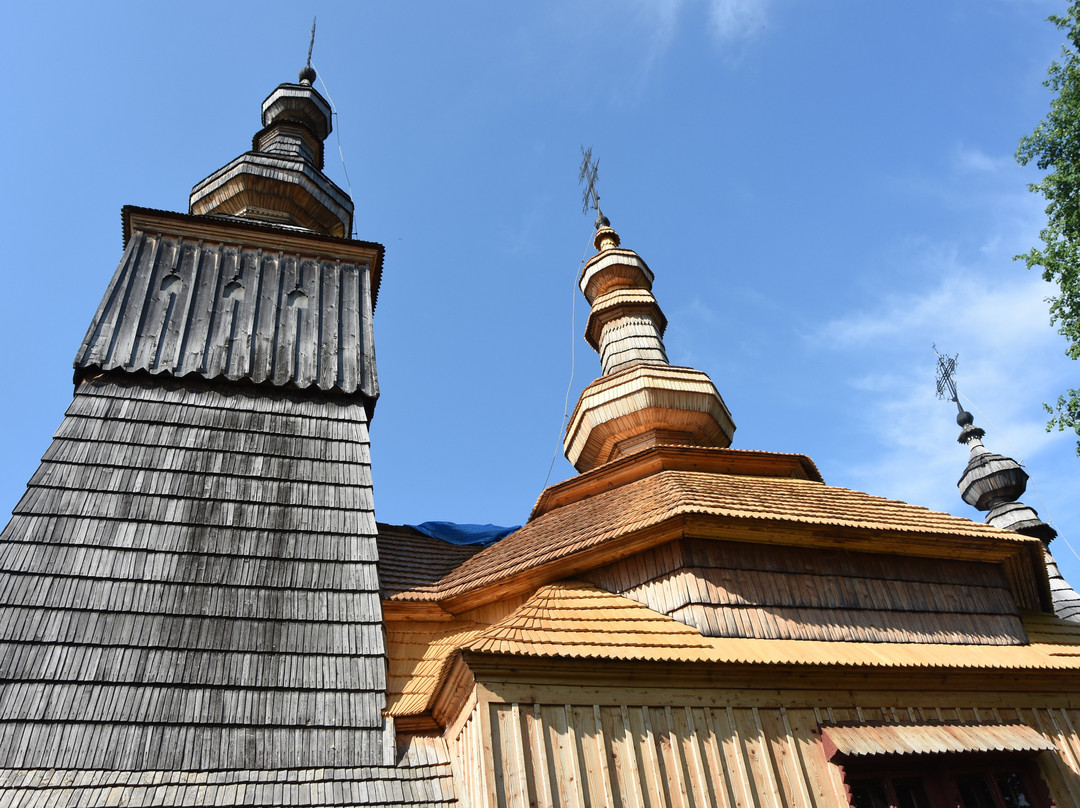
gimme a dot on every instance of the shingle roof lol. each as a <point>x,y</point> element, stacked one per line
<point>575,620</point>
<point>406,786</point>
<point>189,582</point>
<point>207,299</point>
<point>589,522</point>
<point>410,559</point>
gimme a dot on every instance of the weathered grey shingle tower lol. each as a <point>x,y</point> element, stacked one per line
<point>189,602</point>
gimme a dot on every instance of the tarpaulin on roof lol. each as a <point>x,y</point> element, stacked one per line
<point>455,533</point>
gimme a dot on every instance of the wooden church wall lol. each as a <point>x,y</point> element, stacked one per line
<point>743,750</point>
<point>731,589</point>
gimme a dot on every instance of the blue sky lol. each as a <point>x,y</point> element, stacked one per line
<point>823,189</point>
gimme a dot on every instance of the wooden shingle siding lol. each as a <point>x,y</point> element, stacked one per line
<point>190,583</point>
<point>403,786</point>
<point>631,338</point>
<point>218,310</point>
<point>745,590</point>
<point>615,755</point>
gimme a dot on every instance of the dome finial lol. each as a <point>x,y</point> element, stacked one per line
<point>307,72</point>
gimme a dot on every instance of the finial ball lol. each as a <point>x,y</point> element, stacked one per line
<point>307,74</point>
<point>965,418</point>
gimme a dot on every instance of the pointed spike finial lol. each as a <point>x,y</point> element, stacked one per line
<point>307,72</point>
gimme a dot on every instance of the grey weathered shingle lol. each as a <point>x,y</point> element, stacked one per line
<point>164,605</point>
<point>219,303</point>
<point>402,786</point>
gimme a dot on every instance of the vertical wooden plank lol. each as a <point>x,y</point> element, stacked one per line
<point>696,774</point>
<point>757,752</point>
<point>723,725</point>
<point>603,745</point>
<point>796,760</point>
<point>650,766</point>
<point>718,778</point>
<point>825,783</point>
<point>513,757</point>
<point>562,774</point>
<point>585,735</point>
<point>486,755</point>
<point>785,758</point>
<point>538,743</point>
<point>677,773</point>
<point>624,746</point>
<point>1068,731</point>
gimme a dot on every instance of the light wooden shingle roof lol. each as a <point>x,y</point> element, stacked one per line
<point>587,523</point>
<point>575,620</point>
<point>409,559</point>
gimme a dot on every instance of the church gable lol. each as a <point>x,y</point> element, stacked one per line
<point>230,300</point>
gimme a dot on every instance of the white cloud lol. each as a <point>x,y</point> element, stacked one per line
<point>1010,360</point>
<point>974,159</point>
<point>737,20</point>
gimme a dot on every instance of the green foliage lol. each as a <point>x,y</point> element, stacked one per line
<point>1054,146</point>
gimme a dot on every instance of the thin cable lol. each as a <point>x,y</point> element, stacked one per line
<point>337,130</point>
<point>1034,485</point>
<point>573,364</point>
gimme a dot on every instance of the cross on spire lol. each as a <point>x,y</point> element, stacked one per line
<point>588,176</point>
<point>946,368</point>
<point>311,44</point>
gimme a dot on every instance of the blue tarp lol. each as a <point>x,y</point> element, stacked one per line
<point>454,533</point>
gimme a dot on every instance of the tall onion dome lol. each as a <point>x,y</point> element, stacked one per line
<point>640,400</point>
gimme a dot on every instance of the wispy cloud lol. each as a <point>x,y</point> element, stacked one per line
<point>737,20</point>
<point>974,159</point>
<point>1010,360</point>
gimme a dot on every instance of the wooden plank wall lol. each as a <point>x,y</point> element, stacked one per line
<point>653,756</point>
<point>729,589</point>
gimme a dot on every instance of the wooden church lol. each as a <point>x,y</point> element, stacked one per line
<point>199,607</point>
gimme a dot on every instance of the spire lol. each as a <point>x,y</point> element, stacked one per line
<point>640,400</point>
<point>990,482</point>
<point>281,180</point>
<point>994,483</point>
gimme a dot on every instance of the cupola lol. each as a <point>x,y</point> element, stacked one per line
<point>280,180</point>
<point>640,400</point>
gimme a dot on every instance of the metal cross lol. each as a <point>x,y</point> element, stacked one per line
<point>311,45</point>
<point>946,367</point>
<point>588,175</point>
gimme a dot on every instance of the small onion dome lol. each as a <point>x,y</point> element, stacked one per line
<point>307,74</point>
<point>968,431</point>
<point>606,238</point>
<point>990,479</point>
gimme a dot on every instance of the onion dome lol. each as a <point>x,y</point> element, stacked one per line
<point>994,483</point>
<point>640,400</point>
<point>280,180</point>
<point>989,478</point>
